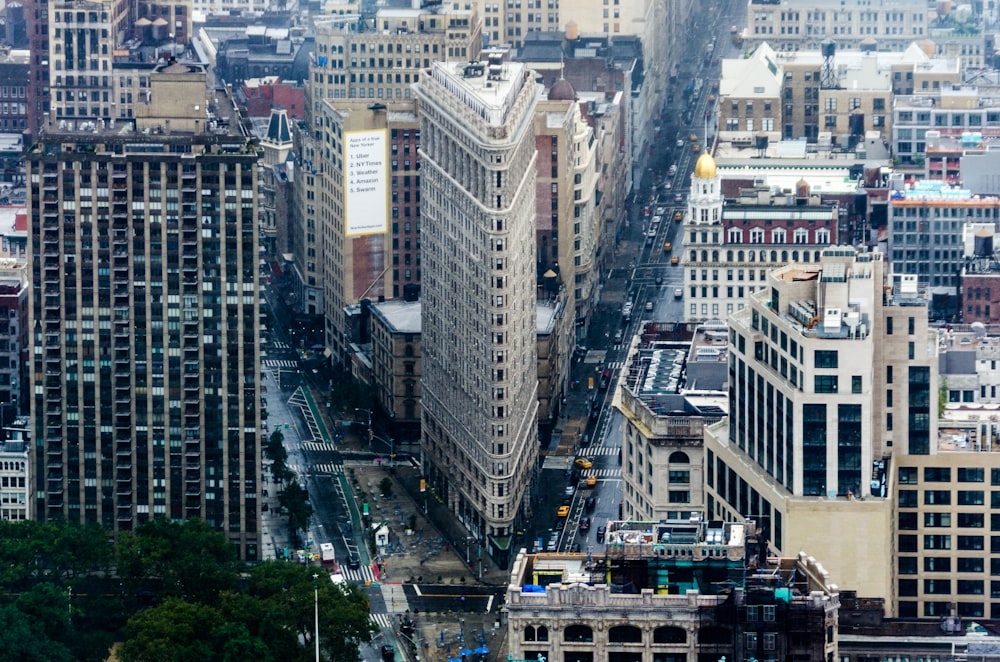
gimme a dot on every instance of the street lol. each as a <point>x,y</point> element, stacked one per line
<point>644,281</point>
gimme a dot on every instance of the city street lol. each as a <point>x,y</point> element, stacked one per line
<point>642,274</point>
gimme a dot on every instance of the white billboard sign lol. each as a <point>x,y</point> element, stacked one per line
<point>366,182</point>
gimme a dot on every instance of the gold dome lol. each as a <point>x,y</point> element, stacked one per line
<point>705,167</point>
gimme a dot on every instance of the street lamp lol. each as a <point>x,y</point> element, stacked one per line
<point>371,433</point>
<point>316,612</point>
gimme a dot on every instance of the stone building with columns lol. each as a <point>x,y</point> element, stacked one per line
<point>672,591</point>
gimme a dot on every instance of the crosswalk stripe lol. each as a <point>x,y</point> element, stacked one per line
<point>328,468</point>
<point>317,446</point>
<point>363,573</point>
<point>280,345</point>
<point>594,451</point>
<point>383,621</point>
<point>280,363</point>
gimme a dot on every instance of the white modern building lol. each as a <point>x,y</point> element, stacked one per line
<point>480,386</point>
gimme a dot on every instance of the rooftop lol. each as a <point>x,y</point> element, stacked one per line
<point>399,316</point>
<point>702,556</point>
<point>939,193</point>
<point>488,89</point>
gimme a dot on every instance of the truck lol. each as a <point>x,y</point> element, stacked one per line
<point>326,552</point>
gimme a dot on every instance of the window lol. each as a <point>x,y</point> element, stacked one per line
<point>937,497</point>
<point>937,541</point>
<point>826,358</point>
<point>825,383</point>
<point>937,474</point>
<point>856,384</point>
<point>971,475</point>
<point>907,475</point>
<point>970,498</point>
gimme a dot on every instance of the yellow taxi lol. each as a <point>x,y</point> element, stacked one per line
<point>696,148</point>
<point>693,137</point>
<point>563,511</point>
<point>667,247</point>
<point>584,463</point>
<point>591,480</point>
<point>678,215</point>
<point>675,260</point>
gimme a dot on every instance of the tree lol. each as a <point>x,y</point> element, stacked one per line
<point>385,487</point>
<point>175,630</point>
<point>185,559</point>
<point>284,591</point>
<point>23,638</point>
<point>275,449</point>
<point>295,502</point>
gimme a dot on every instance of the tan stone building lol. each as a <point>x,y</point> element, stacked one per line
<point>673,590</point>
<point>480,381</point>
<point>798,25</point>
<point>835,98</point>
<point>833,383</point>
<point>379,59</point>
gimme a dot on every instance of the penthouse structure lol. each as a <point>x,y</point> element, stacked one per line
<point>480,388</point>
<point>831,382</point>
<point>675,590</point>
<point>144,316</point>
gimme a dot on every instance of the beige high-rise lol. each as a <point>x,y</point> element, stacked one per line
<point>479,319</point>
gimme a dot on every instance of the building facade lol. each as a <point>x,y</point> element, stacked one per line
<point>676,590</point>
<point>831,380</point>
<point>926,224</point>
<point>480,384</point>
<point>663,468</point>
<point>730,246</point>
<point>144,318</point>
<point>796,25</point>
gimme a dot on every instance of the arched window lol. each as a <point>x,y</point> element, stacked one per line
<point>578,633</point>
<point>543,633</point>
<point>795,256</point>
<point>729,256</point>
<point>774,256</point>
<point>679,457</point>
<point>784,256</point>
<point>751,256</point>
<point>704,256</point>
<point>715,256</point>
<point>669,635</point>
<point>529,633</point>
<point>740,257</point>
<point>625,634</point>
